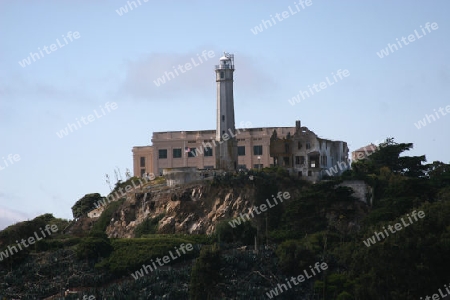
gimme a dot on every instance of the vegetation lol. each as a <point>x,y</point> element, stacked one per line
<point>85,204</point>
<point>105,218</point>
<point>148,226</point>
<point>320,223</point>
<point>205,275</point>
<point>243,234</point>
<point>128,255</point>
<point>24,230</point>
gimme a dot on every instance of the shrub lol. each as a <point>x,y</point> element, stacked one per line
<point>148,226</point>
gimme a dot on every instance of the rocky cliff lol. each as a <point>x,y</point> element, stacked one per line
<point>192,208</point>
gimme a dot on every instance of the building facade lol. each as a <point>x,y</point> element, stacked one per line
<point>306,155</point>
<point>227,148</point>
<point>175,149</point>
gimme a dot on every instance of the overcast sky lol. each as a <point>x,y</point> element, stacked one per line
<point>99,66</point>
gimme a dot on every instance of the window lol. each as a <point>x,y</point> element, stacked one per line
<point>223,118</point>
<point>208,151</point>
<point>222,75</point>
<point>191,142</point>
<point>142,162</point>
<point>299,145</point>
<point>208,167</point>
<point>176,153</point>
<point>242,167</point>
<point>286,161</point>
<point>162,153</point>
<point>308,146</point>
<point>241,150</point>
<point>257,150</point>
<point>192,153</point>
<point>309,173</point>
<point>286,148</point>
<point>297,160</point>
<point>142,172</point>
<point>258,166</point>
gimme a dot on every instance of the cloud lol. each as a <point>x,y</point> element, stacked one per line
<point>18,88</point>
<point>142,73</point>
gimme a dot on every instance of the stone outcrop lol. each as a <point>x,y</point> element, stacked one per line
<point>193,209</point>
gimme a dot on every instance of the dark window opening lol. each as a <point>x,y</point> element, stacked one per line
<point>176,153</point>
<point>192,153</point>
<point>257,150</point>
<point>162,153</point>
<point>208,151</point>
<point>241,150</point>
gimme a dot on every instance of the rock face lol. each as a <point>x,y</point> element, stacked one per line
<point>362,190</point>
<point>194,209</point>
<point>197,208</point>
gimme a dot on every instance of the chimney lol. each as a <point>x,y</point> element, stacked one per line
<point>298,124</point>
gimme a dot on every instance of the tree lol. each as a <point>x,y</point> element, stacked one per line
<point>85,204</point>
<point>388,155</point>
<point>94,246</point>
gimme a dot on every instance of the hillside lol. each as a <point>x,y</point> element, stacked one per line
<point>303,240</point>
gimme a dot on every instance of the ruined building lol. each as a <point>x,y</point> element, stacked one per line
<point>226,147</point>
<point>306,155</point>
<point>230,148</point>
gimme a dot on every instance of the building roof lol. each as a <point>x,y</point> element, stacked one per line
<point>213,130</point>
<point>368,148</point>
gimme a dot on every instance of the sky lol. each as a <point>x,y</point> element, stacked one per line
<point>95,65</point>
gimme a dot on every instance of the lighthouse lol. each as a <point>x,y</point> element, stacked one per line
<point>226,150</point>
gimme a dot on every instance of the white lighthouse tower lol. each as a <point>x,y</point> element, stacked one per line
<point>226,151</point>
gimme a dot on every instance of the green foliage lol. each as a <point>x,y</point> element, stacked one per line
<point>308,213</point>
<point>148,226</point>
<point>243,233</point>
<point>205,275</point>
<point>24,230</point>
<point>130,254</point>
<point>390,269</point>
<point>439,174</point>
<point>294,256</point>
<point>105,218</point>
<point>202,239</point>
<point>335,286</point>
<point>85,204</point>
<point>52,244</point>
<point>93,248</point>
<point>388,155</point>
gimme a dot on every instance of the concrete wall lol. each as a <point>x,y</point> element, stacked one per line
<point>176,176</point>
